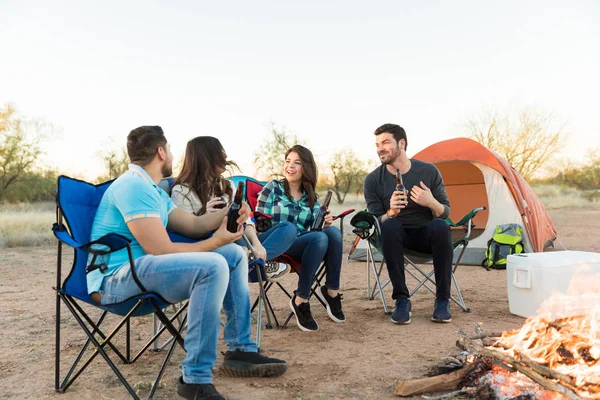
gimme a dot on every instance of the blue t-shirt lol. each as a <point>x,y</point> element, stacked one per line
<point>132,196</point>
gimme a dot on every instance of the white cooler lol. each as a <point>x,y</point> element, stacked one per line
<point>532,278</point>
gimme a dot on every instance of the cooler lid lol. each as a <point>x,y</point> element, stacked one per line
<point>554,259</point>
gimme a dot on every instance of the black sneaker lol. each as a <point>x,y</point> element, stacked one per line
<point>334,304</point>
<point>441,311</point>
<point>402,313</point>
<point>193,391</point>
<point>304,318</point>
<point>251,364</point>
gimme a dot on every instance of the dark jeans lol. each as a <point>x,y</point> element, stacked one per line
<point>313,247</point>
<point>434,238</point>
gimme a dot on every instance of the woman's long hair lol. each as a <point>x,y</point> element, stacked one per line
<point>310,173</point>
<point>203,161</point>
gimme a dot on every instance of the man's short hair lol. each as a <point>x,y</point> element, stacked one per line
<point>395,130</point>
<point>143,142</point>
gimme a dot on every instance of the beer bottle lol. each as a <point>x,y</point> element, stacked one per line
<point>319,220</point>
<point>218,191</point>
<point>234,210</point>
<point>399,183</point>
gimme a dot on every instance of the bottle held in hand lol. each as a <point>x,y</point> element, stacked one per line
<point>234,210</point>
<point>218,191</point>
<point>319,220</point>
<point>400,184</point>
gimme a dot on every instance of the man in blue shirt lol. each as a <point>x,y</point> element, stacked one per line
<point>211,273</point>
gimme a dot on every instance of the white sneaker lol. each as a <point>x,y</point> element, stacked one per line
<point>276,270</point>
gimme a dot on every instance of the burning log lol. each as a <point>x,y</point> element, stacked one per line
<point>537,373</point>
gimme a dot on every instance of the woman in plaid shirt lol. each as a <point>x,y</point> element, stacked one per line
<point>293,199</point>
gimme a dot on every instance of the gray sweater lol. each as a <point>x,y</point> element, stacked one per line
<point>380,184</point>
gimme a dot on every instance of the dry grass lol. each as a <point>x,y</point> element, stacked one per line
<point>557,196</point>
<point>28,225</point>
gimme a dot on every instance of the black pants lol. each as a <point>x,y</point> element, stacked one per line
<point>434,238</point>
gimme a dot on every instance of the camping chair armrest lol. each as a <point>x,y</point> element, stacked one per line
<point>60,232</point>
<point>113,241</point>
<point>341,217</point>
<point>364,222</point>
<point>466,218</point>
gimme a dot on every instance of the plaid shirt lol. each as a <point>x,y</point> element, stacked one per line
<point>272,200</point>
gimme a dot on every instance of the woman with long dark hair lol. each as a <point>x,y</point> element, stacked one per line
<point>200,188</point>
<point>294,199</point>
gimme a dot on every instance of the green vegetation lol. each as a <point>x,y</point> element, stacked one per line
<point>20,147</point>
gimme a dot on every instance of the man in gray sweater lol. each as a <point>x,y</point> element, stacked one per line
<point>414,221</point>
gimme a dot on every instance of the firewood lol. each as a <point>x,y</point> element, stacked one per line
<point>545,371</point>
<point>432,384</point>
<point>519,366</point>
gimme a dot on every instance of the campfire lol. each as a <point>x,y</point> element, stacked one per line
<point>555,355</point>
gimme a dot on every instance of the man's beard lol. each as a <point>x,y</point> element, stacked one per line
<point>390,157</point>
<point>167,170</point>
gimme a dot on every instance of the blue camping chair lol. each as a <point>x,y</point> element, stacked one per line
<point>77,202</point>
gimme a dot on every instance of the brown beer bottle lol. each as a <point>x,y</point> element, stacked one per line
<point>399,183</point>
<point>234,210</point>
<point>319,220</point>
<point>218,191</point>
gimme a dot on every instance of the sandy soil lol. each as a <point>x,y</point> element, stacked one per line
<point>364,358</point>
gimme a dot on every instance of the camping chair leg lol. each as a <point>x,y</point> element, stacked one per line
<point>158,325</point>
<point>259,321</point>
<point>378,289</point>
<point>167,358</point>
<point>460,302</point>
<point>99,350</point>
<point>182,327</point>
<point>370,261</point>
<point>315,286</point>
<point>423,282</point>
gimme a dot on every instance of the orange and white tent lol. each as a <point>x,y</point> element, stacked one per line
<point>476,176</point>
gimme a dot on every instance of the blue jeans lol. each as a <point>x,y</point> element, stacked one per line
<point>277,239</point>
<point>210,280</point>
<point>313,247</point>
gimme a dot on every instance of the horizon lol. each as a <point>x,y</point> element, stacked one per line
<point>330,73</point>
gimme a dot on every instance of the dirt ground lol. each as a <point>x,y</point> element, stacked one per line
<point>364,358</point>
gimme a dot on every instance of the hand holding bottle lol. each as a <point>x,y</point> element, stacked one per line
<point>215,204</point>
<point>222,236</point>
<point>399,198</point>
<point>328,219</point>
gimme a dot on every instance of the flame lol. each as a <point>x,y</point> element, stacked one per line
<point>509,385</point>
<point>565,337</point>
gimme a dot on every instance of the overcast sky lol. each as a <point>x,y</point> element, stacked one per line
<point>329,71</point>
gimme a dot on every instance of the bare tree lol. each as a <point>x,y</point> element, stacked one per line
<point>116,162</point>
<point>527,140</point>
<point>268,160</point>
<point>20,141</point>
<point>348,173</point>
